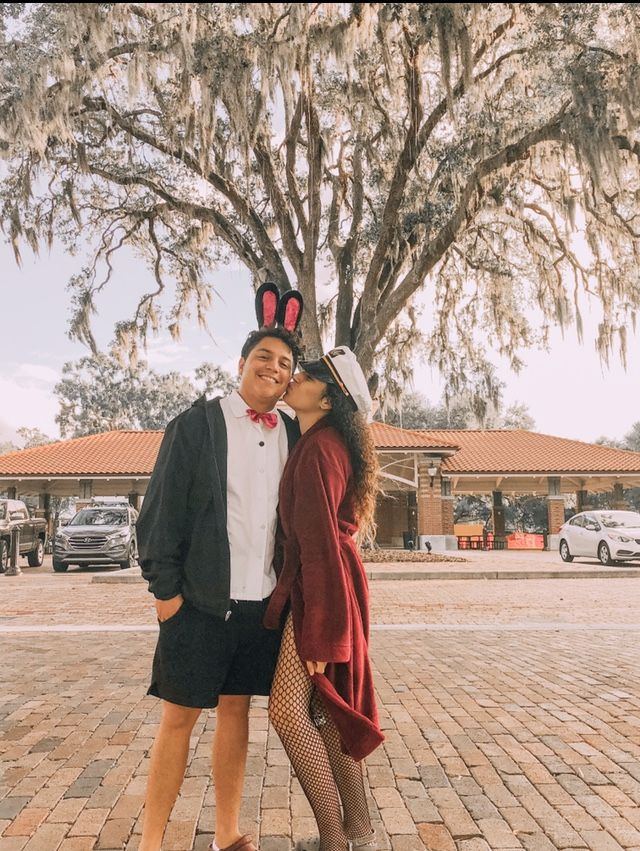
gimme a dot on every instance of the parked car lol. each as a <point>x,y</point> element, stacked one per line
<point>33,533</point>
<point>98,534</point>
<point>610,536</point>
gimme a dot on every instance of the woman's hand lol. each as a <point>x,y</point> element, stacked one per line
<point>315,667</point>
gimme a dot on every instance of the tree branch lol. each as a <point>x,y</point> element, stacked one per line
<point>280,207</point>
<point>239,202</point>
<point>415,140</point>
<point>221,225</point>
<point>437,247</point>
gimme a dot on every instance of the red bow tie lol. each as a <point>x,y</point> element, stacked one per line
<point>269,420</point>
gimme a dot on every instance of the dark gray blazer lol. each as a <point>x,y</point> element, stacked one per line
<point>183,544</point>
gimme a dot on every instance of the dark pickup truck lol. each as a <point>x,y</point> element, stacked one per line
<point>33,533</point>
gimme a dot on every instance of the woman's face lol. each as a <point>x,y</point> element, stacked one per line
<point>306,394</point>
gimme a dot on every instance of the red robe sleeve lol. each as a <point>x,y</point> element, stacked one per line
<point>320,486</point>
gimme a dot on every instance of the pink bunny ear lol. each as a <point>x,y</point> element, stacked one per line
<point>267,298</point>
<point>290,310</point>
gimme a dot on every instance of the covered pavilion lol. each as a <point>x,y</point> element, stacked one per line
<point>421,472</point>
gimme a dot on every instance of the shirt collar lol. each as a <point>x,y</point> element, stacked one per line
<point>238,406</point>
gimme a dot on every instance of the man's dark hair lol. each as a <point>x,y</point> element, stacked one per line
<point>289,339</point>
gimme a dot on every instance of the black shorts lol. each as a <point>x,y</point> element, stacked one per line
<point>199,656</point>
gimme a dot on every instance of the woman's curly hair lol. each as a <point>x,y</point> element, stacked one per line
<point>356,433</point>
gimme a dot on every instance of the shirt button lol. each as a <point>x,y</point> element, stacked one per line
<point>261,443</point>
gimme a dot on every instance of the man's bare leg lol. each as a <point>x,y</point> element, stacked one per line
<point>166,772</point>
<point>230,745</point>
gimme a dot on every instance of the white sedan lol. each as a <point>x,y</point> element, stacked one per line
<point>609,536</point>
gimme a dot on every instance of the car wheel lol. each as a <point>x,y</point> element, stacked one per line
<point>565,555</point>
<point>36,557</point>
<point>604,554</point>
<point>130,562</point>
<point>4,556</point>
<point>60,566</point>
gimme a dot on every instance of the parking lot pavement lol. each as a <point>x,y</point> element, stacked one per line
<point>511,712</point>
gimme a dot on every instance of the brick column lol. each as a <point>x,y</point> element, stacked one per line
<point>429,501</point>
<point>447,507</point>
<point>555,505</point>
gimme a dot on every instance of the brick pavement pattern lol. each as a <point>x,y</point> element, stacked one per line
<point>511,711</point>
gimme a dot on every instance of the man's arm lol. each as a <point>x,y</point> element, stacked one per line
<point>162,524</point>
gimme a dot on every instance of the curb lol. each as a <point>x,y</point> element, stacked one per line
<point>132,574</point>
<point>614,573</point>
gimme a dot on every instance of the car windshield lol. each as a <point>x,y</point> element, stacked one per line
<point>99,517</point>
<point>621,519</point>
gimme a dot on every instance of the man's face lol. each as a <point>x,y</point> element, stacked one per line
<point>266,372</point>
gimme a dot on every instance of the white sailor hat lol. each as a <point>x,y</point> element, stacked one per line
<point>340,367</point>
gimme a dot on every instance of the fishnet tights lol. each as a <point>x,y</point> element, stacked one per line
<point>312,743</point>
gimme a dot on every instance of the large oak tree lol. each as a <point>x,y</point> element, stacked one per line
<point>363,153</point>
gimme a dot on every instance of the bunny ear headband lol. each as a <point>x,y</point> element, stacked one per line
<point>272,310</point>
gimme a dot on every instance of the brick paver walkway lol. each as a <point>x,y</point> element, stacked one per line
<point>511,711</point>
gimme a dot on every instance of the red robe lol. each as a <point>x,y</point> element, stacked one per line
<point>322,576</point>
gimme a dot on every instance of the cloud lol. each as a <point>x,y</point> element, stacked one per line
<point>7,431</point>
<point>26,404</point>
<point>37,375</point>
<point>164,352</point>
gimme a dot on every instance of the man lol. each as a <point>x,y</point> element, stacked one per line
<point>206,541</point>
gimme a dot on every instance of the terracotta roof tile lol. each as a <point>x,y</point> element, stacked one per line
<point>390,437</point>
<point>519,451</point>
<point>114,453</point>
<point>133,453</point>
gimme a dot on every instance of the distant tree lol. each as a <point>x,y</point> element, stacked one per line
<point>214,381</point>
<point>517,416</point>
<point>33,437</point>
<point>612,442</point>
<point>469,508</point>
<point>414,411</point>
<point>632,438</point>
<point>526,513</point>
<point>30,437</point>
<point>98,394</point>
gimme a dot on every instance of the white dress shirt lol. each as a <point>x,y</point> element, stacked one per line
<point>256,456</point>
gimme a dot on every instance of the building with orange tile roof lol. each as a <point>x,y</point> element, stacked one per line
<point>421,472</point>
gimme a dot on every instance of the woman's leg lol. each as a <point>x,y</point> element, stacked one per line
<point>289,711</point>
<point>348,775</point>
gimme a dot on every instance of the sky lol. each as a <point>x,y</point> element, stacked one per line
<point>568,391</point>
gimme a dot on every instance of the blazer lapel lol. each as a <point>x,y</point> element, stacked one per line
<point>218,435</point>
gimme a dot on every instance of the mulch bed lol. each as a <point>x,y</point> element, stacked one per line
<point>382,556</point>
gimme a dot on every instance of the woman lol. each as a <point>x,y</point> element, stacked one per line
<point>322,702</point>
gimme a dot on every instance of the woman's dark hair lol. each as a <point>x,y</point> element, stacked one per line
<point>356,433</point>
<point>289,339</point>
